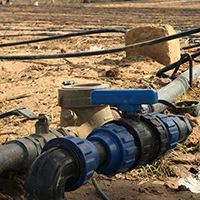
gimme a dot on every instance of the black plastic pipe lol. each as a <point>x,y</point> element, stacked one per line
<point>13,155</point>
<point>62,167</point>
<point>172,66</point>
<point>101,52</point>
<point>17,154</point>
<point>191,46</point>
<point>20,153</point>
<point>105,30</point>
<point>120,145</point>
<point>173,90</point>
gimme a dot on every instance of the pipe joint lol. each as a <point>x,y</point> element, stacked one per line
<point>172,130</point>
<point>86,152</point>
<point>184,125</point>
<point>119,145</point>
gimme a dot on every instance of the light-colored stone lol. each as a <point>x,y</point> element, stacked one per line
<point>165,53</point>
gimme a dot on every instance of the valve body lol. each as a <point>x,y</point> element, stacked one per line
<point>118,146</point>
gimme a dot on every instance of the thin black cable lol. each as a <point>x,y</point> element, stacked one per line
<point>50,34</point>
<point>45,29</point>
<point>191,46</point>
<point>194,36</point>
<point>105,30</point>
<point>197,60</point>
<point>189,57</point>
<point>101,52</point>
<point>28,34</point>
<point>160,73</point>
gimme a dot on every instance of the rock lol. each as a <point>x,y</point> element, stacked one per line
<point>165,53</point>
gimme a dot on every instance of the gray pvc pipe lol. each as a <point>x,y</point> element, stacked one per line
<point>172,91</point>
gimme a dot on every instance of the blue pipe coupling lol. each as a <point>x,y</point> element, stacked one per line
<point>172,130</point>
<point>178,127</point>
<point>116,143</point>
<point>124,144</point>
<point>118,146</point>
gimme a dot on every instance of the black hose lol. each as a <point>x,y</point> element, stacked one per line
<point>59,169</point>
<point>39,29</point>
<point>189,57</point>
<point>51,172</point>
<point>67,55</point>
<point>194,36</point>
<point>92,53</point>
<point>160,73</point>
<point>197,60</point>
<point>105,30</point>
<point>28,34</point>
<point>191,46</point>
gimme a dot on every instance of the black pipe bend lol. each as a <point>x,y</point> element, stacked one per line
<point>63,168</point>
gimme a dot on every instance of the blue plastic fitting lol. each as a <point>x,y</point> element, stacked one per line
<point>127,101</point>
<point>120,147</point>
<point>120,151</point>
<point>112,149</point>
<point>172,130</point>
<point>87,153</point>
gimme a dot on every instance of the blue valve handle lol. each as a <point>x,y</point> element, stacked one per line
<point>126,100</point>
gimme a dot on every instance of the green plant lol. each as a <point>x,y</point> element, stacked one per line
<point>125,81</point>
<point>77,133</point>
<point>56,92</point>
<point>160,169</point>
<point>29,132</point>
<point>40,91</point>
<point>54,119</point>
<point>152,173</point>
<point>2,110</point>
<point>184,148</point>
<point>184,92</point>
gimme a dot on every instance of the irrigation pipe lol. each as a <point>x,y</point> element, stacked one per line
<point>197,60</point>
<point>105,30</point>
<point>172,66</point>
<point>173,90</point>
<point>194,36</point>
<point>191,46</point>
<point>50,34</point>
<point>43,29</point>
<point>101,52</point>
<point>28,34</point>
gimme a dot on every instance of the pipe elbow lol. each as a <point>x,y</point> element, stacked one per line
<point>50,174</point>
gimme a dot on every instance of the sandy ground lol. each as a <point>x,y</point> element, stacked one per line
<point>34,83</point>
